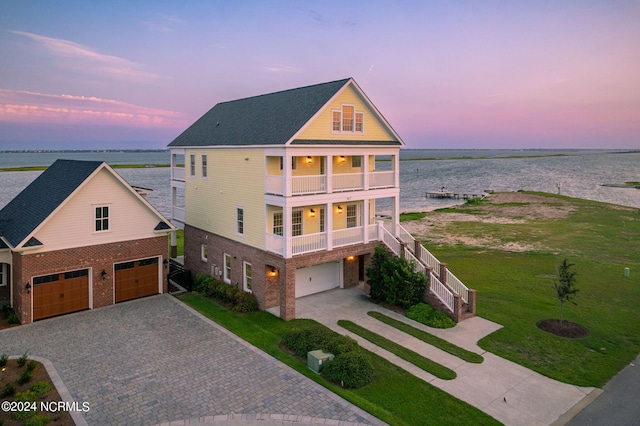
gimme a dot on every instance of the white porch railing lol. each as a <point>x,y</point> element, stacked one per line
<point>382,179</point>
<point>390,241</point>
<point>429,259</point>
<point>178,213</point>
<point>344,237</point>
<point>275,243</point>
<point>274,184</point>
<point>347,182</point>
<point>178,173</point>
<point>308,243</point>
<point>441,291</point>
<point>372,231</point>
<point>458,286</point>
<point>308,184</point>
<point>419,266</point>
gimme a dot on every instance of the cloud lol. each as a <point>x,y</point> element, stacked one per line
<point>29,107</point>
<point>284,69</point>
<point>162,23</point>
<point>84,59</point>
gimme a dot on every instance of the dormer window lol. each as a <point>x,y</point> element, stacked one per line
<point>347,120</point>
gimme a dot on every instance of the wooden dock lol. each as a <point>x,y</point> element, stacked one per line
<point>451,194</point>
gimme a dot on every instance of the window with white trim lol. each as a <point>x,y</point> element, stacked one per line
<point>226,270</point>
<point>356,161</point>
<point>352,218</point>
<point>347,120</point>
<point>240,220</point>
<point>247,277</point>
<point>296,223</point>
<point>192,165</point>
<point>294,163</point>
<point>322,219</point>
<point>4,271</point>
<point>204,165</point>
<point>278,224</point>
<point>102,219</point>
<point>204,252</point>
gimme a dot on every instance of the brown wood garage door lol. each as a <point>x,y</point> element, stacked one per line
<point>136,279</point>
<point>59,294</point>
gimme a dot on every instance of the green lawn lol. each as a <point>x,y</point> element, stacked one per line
<point>394,396</point>
<point>515,288</point>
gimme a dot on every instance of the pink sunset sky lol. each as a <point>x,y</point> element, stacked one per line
<point>445,74</point>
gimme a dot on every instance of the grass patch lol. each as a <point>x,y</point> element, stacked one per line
<point>405,217</point>
<point>394,396</point>
<point>429,338</point>
<point>515,289</point>
<point>418,360</point>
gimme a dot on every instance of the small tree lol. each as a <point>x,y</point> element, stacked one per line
<point>565,286</point>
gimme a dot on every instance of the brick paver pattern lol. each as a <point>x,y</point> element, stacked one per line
<point>153,360</point>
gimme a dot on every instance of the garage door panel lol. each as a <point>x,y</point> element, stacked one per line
<point>62,295</point>
<point>136,279</point>
<point>317,278</point>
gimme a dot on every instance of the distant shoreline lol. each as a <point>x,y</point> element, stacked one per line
<point>115,166</point>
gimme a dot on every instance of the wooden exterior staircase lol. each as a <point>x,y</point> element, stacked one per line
<point>445,291</point>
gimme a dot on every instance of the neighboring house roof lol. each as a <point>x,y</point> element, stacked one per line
<point>271,119</point>
<point>31,207</point>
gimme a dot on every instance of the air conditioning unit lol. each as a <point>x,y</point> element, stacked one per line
<point>316,359</point>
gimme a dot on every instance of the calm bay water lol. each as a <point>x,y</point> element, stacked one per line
<point>578,174</point>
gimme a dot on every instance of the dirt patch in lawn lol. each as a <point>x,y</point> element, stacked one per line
<point>10,374</point>
<point>499,208</point>
<point>563,328</point>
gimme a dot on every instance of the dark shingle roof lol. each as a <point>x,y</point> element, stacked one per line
<point>269,119</point>
<point>37,201</point>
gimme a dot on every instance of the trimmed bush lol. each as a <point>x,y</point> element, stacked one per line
<point>22,360</point>
<point>41,388</point>
<point>308,339</point>
<point>39,420</point>
<point>25,377</point>
<point>3,360</point>
<point>8,390</point>
<point>350,370</point>
<point>340,344</point>
<point>245,302</point>
<point>428,316</point>
<point>31,365</point>
<point>203,284</point>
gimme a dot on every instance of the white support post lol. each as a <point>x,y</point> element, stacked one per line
<point>286,221</point>
<point>286,176</point>
<point>365,171</point>
<point>365,219</point>
<point>329,170</point>
<point>329,225</point>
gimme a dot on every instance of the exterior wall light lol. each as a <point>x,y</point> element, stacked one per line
<point>312,213</point>
<point>103,274</point>
<point>342,159</point>
<point>28,287</point>
<point>308,159</point>
<point>339,209</point>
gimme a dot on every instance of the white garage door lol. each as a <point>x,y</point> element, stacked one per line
<point>314,279</point>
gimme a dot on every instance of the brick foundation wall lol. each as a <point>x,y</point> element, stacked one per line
<point>98,258</point>
<point>270,290</point>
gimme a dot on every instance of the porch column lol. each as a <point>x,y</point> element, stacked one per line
<point>395,161</point>
<point>328,226</point>
<point>286,176</point>
<point>395,214</point>
<point>365,170</point>
<point>329,171</point>
<point>174,245</point>
<point>365,219</point>
<point>286,223</point>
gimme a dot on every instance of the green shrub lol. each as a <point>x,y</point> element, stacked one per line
<point>245,302</point>
<point>231,294</point>
<point>340,344</point>
<point>394,280</point>
<point>308,339</point>
<point>25,377</point>
<point>3,360</point>
<point>31,365</point>
<point>220,291</point>
<point>8,390</point>
<point>41,388</point>
<point>22,360</point>
<point>350,370</point>
<point>203,284</point>
<point>26,396</point>
<point>39,420</point>
<point>13,318</point>
<point>428,316</point>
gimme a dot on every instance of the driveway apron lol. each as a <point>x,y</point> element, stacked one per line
<point>156,360</point>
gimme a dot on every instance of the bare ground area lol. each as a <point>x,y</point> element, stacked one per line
<point>501,207</point>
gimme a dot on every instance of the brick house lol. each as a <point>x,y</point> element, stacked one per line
<point>277,193</point>
<point>79,237</point>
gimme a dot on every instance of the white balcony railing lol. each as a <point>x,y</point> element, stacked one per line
<point>382,179</point>
<point>178,173</point>
<point>178,213</point>
<point>348,182</point>
<point>308,184</point>
<point>308,243</point>
<point>274,185</point>
<point>275,243</point>
<point>345,237</point>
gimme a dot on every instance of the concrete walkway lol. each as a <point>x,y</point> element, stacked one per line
<point>155,360</point>
<point>506,391</point>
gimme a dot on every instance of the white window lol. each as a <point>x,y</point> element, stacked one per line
<point>240,220</point>
<point>204,165</point>
<point>278,224</point>
<point>227,268</point>
<point>246,281</point>
<point>352,218</point>
<point>204,252</point>
<point>294,163</point>
<point>322,219</point>
<point>296,223</point>
<point>102,219</point>
<point>347,120</point>
<point>4,271</point>
<point>356,161</point>
<point>192,165</point>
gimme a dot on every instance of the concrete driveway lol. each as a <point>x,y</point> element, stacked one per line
<point>155,360</point>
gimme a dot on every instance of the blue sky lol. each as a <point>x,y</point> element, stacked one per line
<point>463,74</point>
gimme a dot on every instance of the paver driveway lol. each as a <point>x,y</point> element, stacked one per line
<point>155,360</point>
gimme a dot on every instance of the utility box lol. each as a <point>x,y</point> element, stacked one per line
<point>316,360</point>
